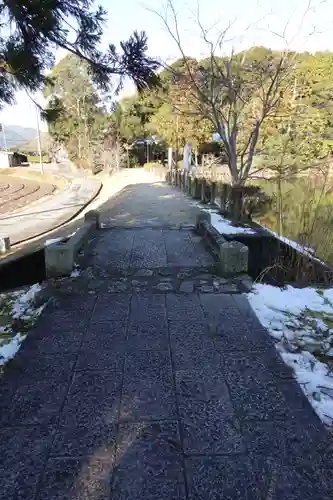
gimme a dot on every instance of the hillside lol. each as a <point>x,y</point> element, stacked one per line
<point>17,135</point>
<point>32,145</point>
<point>23,138</point>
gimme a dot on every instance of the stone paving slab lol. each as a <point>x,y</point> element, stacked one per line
<point>131,392</point>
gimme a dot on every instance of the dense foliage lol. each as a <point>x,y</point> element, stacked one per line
<point>298,134</point>
<point>32,29</point>
<point>295,134</point>
<point>77,115</point>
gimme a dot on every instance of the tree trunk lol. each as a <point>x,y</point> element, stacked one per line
<point>236,203</point>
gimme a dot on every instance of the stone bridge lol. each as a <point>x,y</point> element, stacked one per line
<point>149,378</point>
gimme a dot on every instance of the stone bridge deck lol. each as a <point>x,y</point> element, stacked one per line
<point>149,379</point>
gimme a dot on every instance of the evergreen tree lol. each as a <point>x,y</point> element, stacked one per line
<point>32,29</point>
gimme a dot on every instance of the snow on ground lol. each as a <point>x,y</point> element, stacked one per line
<point>222,225</point>
<point>52,241</point>
<point>17,315</point>
<point>301,322</point>
<point>76,272</point>
<point>225,226</point>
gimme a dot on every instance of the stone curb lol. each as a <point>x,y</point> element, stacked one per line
<point>60,256</point>
<point>232,256</point>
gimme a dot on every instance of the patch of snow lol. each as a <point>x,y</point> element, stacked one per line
<point>52,241</point>
<point>74,232</point>
<point>275,307</point>
<point>8,351</point>
<point>225,226</point>
<point>24,300</point>
<point>19,305</point>
<point>75,273</point>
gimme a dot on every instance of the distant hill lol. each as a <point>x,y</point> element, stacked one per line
<point>17,135</point>
<point>32,145</point>
<point>23,138</point>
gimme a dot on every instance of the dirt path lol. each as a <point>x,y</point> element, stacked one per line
<point>16,193</point>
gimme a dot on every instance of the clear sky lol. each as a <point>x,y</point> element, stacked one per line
<point>254,22</point>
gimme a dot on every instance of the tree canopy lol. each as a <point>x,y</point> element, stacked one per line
<point>298,128</point>
<point>77,114</point>
<point>296,134</point>
<point>31,30</point>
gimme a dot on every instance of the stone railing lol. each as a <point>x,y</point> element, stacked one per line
<point>237,202</point>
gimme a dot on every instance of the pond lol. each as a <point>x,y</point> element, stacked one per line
<point>302,210</point>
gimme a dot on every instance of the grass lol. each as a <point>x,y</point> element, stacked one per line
<point>35,159</point>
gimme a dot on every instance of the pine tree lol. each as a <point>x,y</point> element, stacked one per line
<point>32,29</point>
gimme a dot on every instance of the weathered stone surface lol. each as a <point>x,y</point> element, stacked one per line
<point>93,216</point>
<point>206,288</point>
<point>196,189</point>
<point>186,287</point>
<point>96,399</point>
<point>234,257</point>
<point>164,286</point>
<point>4,244</point>
<point>184,273</point>
<point>144,272</point>
<point>203,189</point>
<point>159,471</point>
<point>203,216</point>
<point>164,272</point>
<point>229,288</point>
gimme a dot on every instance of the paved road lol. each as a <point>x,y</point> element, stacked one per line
<point>50,212</point>
<point>127,389</point>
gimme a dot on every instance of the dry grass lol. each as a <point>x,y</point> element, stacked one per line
<point>25,173</point>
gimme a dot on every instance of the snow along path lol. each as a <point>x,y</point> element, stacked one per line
<point>301,322</point>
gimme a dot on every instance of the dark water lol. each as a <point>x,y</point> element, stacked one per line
<point>27,270</point>
<point>302,210</point>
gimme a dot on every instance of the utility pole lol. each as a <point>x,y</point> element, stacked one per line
<point>39,145</point>
<point>4,136</point>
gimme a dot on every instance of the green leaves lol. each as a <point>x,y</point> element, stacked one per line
<point>35,28</point>
<point>75,112</point>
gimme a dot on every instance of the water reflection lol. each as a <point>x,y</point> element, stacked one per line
<point>302,210</point>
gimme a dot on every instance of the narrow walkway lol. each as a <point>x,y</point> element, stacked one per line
<point>147,380</point>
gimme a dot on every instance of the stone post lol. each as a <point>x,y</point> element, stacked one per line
<point>234,257</point>
<point>59,260</point>
<point>170,158</point>
<point>213,189</point>
<point>189,185</point>
<point>223,198</point>
<point>196,188</point>
<point>93,216</point>
<point>185,180</point>
<point>4,244</point>
<point>203,190</point>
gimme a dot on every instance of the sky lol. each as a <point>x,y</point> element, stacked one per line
<point>297,24</point>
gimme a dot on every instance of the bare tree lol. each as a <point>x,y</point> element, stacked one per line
<point>236,93</point>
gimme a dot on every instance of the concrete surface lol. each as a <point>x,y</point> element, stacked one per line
<point>49,213</point>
